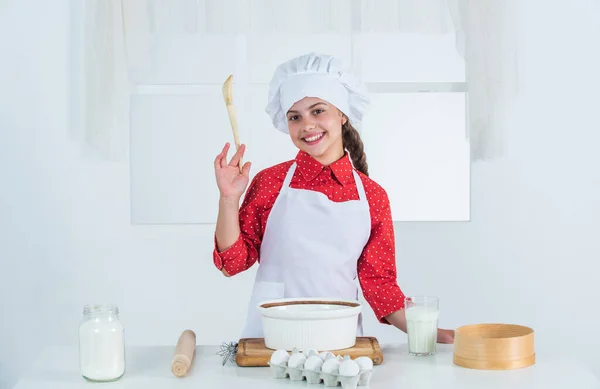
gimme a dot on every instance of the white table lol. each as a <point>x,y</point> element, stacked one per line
<point>149,368</point>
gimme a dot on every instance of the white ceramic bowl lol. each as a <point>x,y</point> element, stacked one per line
<point>309,323</point>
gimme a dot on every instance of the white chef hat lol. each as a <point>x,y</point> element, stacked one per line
<point>316,75</point>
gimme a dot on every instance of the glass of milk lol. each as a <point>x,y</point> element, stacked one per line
<point>101,343</point>
<point>422,314</point>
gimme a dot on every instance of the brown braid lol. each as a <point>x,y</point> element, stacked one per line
<point>352,142</point>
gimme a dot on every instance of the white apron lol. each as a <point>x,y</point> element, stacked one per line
<point>310,248</point>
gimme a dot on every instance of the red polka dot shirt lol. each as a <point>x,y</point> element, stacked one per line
<point>377,263</point>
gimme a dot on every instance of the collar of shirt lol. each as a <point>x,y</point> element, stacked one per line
<point>311,168</point>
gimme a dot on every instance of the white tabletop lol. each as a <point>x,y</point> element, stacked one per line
<point>149,368</point>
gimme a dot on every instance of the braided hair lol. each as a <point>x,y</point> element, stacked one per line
<point>354,145</point>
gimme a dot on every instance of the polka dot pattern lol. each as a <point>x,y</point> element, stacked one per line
<point>377,264</point>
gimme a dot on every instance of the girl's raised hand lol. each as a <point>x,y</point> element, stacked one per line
<point>230,181</point>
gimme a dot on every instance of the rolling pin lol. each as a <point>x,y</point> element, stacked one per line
<point>184,353</point>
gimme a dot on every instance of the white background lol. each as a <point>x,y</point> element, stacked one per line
<point>414,134</point>
<point>529,256</point>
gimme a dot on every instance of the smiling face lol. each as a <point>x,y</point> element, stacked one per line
<point>315,127</point>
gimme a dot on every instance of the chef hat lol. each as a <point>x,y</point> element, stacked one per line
<point>315,75</point>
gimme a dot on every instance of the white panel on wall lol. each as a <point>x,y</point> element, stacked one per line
<point>415,144</point>
<point>267,51</point>
<point>174,140</point>
<point>305,17</point>
<point>423,16</point>
<point>406,57</point>
<point>182,59</point>
<point>417,150</point>
<point>172,59</point>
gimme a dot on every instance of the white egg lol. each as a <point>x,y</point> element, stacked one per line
<point>313,363</point>
<point>280,357</point>
<point>312,352</point>
<point>297,361</point>
<point>349,368</point>
<point>324,355</point>
<point>365,363</point>
<point>331,366</point>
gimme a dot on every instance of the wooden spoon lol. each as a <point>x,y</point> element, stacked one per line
<point>228,96</point>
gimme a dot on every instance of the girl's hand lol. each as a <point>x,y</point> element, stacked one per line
<point>230,181</point>
<point>445,336</point>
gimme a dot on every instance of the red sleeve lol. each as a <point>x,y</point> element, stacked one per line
<point>377,264</point>
<point>244,252</point>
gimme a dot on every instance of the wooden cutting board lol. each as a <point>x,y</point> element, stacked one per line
<point>253,352</point>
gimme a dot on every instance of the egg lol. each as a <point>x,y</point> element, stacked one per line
<point>331,366</point>
<point>324,355</point>
<point>349,368</point>
<point>313,363</point>
<point>312,352</point>
<point>365,363</point>
<point>297,361</point>
<point>280,357</point>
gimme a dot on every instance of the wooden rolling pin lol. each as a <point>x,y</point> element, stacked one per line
<point>184,353</point>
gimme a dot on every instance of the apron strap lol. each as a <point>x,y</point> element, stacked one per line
<point>288,177</point>
<point>359,186</point>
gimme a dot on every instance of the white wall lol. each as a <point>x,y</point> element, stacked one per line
<point>529,256</point>
<point>32,220</point>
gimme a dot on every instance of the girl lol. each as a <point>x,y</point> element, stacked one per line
<point>318,222</point>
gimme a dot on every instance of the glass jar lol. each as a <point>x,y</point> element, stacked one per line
<point>101,343</point>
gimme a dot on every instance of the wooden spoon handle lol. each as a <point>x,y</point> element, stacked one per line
<point>228,96</point>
